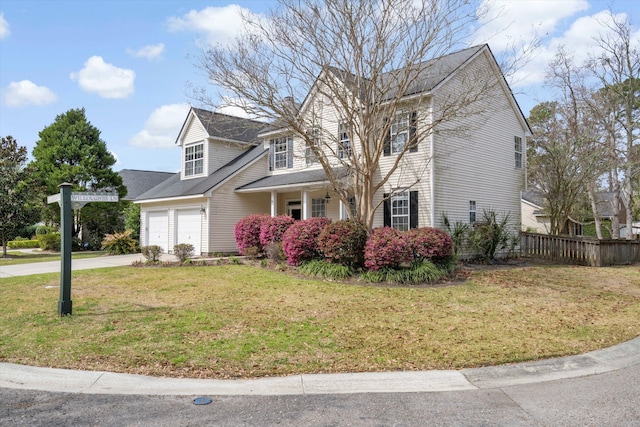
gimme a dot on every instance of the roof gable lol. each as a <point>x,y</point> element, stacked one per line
<point>222,126</point>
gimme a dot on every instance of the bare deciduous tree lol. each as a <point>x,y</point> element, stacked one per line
<point>366,61</point>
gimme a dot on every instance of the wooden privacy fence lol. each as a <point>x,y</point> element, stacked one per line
<point>580,250</point>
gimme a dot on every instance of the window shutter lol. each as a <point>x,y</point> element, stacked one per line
<point>413,140</point>
<point>413,209</point>
<point>387,139</point>
<point>289,153</point>
<point>387,210</point>
<point>271,155</point>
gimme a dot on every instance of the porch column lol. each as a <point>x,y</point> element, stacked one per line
<point>342,210</point>
<point>274,203</point>
<point>305,204</point>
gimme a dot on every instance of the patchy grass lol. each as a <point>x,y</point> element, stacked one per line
<point>17,257</point>
<point>236,321</point>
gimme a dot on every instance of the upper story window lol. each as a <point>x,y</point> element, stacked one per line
<point>402,132</point>
<point>400,211</point>
<point>344,143</point>
<point>309,155</point>
<point>518,151</point>
<point>399,133</point>
<point>319,207</point>
<point>194,160</point>
<point>281,153</point>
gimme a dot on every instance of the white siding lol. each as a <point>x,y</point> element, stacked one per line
<point>479,164</point>
<point>531,222</point>
<point>218,154</point>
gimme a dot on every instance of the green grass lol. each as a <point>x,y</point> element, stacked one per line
<point>17,257</point>
<point>235,321</point>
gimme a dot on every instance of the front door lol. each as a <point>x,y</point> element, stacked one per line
<point>294,210</point>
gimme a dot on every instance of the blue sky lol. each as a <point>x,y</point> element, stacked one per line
<point>128,62</point>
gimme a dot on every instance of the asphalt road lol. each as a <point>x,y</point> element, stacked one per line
<point>609,399</point>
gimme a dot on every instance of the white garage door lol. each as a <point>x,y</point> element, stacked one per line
<point>189,227</point>
<point>158,229</point>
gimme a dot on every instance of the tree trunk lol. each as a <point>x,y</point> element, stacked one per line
<point>594,209</point>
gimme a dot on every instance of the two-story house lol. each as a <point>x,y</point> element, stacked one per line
<point>234,167</point>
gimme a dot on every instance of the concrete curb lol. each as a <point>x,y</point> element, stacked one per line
<point>92,382</point>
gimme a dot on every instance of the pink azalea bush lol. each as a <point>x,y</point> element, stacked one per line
<point>387,248</point>
<point>429,244</point>
<point>343,242</point>
<point>247,232</point>
<point>299,242</point>
<point>272,229</point>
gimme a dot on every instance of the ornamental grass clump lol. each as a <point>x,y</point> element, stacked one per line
<point>343,242</point>
<point>387,248</point>
<point>299,242</point>
<point>119,243</point>
<point>247,232</point>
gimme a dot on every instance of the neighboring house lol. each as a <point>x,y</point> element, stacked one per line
<point>536,220</point>
<point>138,182</point>
<point>234,167</point>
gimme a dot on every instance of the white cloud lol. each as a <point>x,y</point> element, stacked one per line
<point>510,23</point>
<point>25,92</point>
<point>220,24</point>
<point>106,80</point>
<point>150,52</point>
<point>162,127</point>
<point>4,27</point>
<point>578,39</point>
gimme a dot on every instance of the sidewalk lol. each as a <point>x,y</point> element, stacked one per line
<point>92,382</point>
<point>77,264</point>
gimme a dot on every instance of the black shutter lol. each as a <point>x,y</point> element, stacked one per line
<point>289,153</point>
<point>387,139</point>
<point>387,210</point>
<point>271,155</point>
<point>413,140</point>
<point>413,209</point>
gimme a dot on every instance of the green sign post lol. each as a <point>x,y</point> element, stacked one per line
<point>67,201</point>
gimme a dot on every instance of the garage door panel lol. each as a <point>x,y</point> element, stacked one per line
<point>189,228</point>
<point>158,229</point>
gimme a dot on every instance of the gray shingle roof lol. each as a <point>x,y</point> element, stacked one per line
<point>284,180</point>
<point>229,127</point>
<point>139,182</point>
<point>175,187</point>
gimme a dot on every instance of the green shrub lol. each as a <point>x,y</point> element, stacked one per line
<point>418,273</point>
<point>49,242</point>
<point>491,235</point>
<point>119,243</point>
<point>183,251</point>
<point>151,253</point>
<point>458,232</point>
<point>326,270</point>
<point>23,244</point>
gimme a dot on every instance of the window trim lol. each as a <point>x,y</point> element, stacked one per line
<point>321,205</point>
<point>473,210</point>
<point>403,197</point>
<point>309,155</point>
<point>190,165</point>
<point>518,152</point>
<point>400,128</point>
<point>276,158</point>
<point>344,141</point>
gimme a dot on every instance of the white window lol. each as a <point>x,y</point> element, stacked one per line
<point>399,133</point>
<point>518,151</point>
<point>344,147</point>
<point>400,211</point>
<point>309,155</point>
<point>472,211</point>
<point>193,160</point>
<point>280,153</point>
<point>318,207</point>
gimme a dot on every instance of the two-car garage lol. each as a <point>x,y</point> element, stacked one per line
<point>187,228</point>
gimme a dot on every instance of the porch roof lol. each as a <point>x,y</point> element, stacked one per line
<point>288,181</point>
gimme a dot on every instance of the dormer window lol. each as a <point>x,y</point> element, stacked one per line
<point>193,160</point>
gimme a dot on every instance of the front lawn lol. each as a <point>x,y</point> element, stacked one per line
<point>235,321</point>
